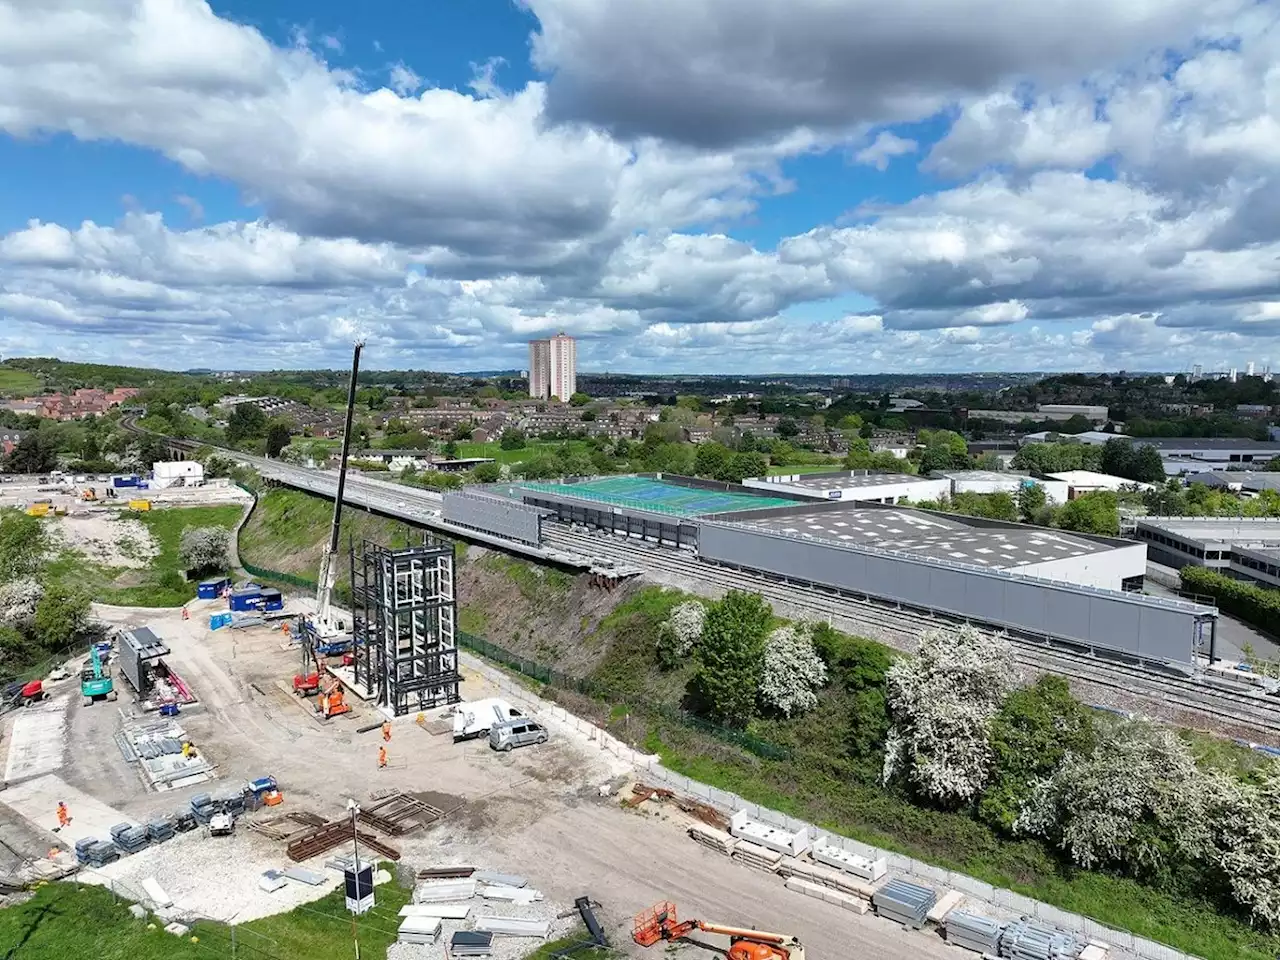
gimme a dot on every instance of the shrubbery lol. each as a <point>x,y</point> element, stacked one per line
<point>1257,605</point>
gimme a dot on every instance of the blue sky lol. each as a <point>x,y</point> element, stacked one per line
<point>700,185</point>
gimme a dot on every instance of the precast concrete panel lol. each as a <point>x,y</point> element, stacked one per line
<point>499,516</point>
<point>1148,627</point>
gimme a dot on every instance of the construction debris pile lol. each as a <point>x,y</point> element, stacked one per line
<point>825,870</point>
<point>165,755</point>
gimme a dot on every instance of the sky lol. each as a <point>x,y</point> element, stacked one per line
<point>716,186</point>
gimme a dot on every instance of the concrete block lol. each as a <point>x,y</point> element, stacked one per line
<point>177,929</point>
<point>138,910</point>
<point>843,900</point>
<point>946,903</point>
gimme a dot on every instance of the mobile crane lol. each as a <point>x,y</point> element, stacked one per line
<point>661,923</point>
<point>325,632</point>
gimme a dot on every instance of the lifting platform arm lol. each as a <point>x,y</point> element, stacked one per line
<point>328,570</point>
<point>661,923</point>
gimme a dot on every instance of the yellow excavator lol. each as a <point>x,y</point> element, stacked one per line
<point>661,923</point>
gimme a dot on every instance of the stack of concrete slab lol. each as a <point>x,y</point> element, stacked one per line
<point>203,808</point>
<point>713,839</point>
<point>944,905</point>
<point>973,932</point>
<point>96,853</point>
<point>499,879</point>
<point>424,930</point>
<point>1025,940</point>
<point>513,926</point>
<point>272,880</point>
<point>861,867</point>
<point>813,873</point>
<point>791,843</point>
<point>846,901</point>
<point>442,911</point>
<point>444,891</point>
<point>754,855</point>
<point>160,830</point>
<point>183,821</point>
<point>523,895</point>
<point>471,943</point>
<point>907,903</point>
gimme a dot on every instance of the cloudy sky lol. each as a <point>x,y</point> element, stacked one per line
<point>836,186</point>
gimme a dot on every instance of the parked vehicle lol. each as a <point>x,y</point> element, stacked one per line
<point>521,732</point>
<point>221,825</point>
<point>476,718</point>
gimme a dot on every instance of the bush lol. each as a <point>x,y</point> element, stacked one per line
<point>731,657</point>
<point>793,671</point>
<point>1253,604</point>
<point>204,549</point>
<point>679,634</point>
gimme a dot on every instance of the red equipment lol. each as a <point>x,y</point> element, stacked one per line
<point>661,923</point>
<point>32,692</point>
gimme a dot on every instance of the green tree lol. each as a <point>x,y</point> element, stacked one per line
<point>487,473</point>
<point>277,438</point>
<point>787,428</point>
<point>712,459</point>
<point>1096,512</point>
<point>1037,726</point>
<point>731,657</point>
<point>512,439</point>
<point>91,450</point>
<point>1031,498</point>
<point>451,450</point>
<point>247,422</point>
<point>36,452</point>
<point>23,545</point>
<point>859,666</point>
<point>579,400</point>
<point>588,416</point>
<point>61,616</point>
<point>744,465</point>
<point>204,549</point>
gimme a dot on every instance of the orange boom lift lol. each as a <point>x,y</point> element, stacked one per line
<point>661,923</point>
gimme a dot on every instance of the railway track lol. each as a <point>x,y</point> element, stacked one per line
<point>1168,689</point>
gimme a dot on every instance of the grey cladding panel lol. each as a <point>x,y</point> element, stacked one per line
<point>1037,607</point>
<point>496,515</point>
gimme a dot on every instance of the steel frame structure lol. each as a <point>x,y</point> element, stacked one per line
<point>404,603</point>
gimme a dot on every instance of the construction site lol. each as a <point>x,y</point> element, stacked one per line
<point>246,754</point>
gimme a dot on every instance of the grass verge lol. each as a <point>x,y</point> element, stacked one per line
<point>160,583</point>
<point>66,920</point>
<point>531,449</point>
<point>19,382</point>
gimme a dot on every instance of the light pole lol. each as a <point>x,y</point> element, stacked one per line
<point>355,844</point>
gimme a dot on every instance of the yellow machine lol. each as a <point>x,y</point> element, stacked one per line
<point>139,504</point>
<point>38,510</point>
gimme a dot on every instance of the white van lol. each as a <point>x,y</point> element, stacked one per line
<point>476,718</point>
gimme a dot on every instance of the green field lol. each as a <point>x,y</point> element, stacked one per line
<point>799,468</point>
<point>66,920</point>
<point>18,382</point>
<point>532,449</point>
<point>160,583</point>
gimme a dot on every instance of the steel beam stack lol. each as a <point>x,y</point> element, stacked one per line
<point>1025,940</point>
<point>405,609</point>
<point>907,903</point>
<point>973,932</point>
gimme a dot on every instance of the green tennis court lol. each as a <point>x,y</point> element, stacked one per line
<point>641,493</point>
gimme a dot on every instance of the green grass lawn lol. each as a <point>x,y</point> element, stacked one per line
<point>532,449</point>
<point>18,382</point>
<point>804,468</point>
<point>160,583</point>
<point>65,921</point>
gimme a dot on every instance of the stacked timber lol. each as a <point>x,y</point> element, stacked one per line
<point>713,839</point>
<point>754,855</point>
<point>845,901</point>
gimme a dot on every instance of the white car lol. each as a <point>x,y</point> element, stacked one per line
<point>59,673</point>
<point>220,825</point>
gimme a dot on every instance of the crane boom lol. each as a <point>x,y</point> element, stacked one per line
<point>328,572</point>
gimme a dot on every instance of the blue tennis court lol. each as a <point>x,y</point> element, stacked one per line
<point>641,493</point>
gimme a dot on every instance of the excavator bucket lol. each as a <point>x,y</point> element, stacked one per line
<point>651,923</point>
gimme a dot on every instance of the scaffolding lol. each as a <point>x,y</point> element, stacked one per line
<point>405,609</point>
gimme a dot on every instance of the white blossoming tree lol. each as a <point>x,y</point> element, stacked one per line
<point>680,633</point>
<point>941,702</point>
<point>1246,821</point>
<point>18,602</point>
<point>204,548</point>
<point>1137,802</point>
<point>793,671</point>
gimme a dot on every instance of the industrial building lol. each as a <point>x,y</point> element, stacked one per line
<point>1247,548</point>
<point>1031,581</point>
<point>859,485</point>
<point>1080,482</point>
<point>994,481</point>
<point>1238,481</point>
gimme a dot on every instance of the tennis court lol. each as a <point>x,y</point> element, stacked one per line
<point>641,493</point>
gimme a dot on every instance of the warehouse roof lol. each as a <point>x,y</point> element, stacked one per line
<point>984,475</point>
<point>1209,443</point>
<point>1240,530</point>
<point>936,537</point>
<point>1241,479</point>
<point>844,480</point>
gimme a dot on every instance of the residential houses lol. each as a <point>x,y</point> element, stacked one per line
<point>85,402</point>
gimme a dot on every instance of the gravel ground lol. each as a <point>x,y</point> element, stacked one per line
<point>104,539</point>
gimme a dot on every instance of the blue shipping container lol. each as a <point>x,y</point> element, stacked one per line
<point>124,481</point>
<point>211,589</point>
<point>219,620</point>
<point>272,600</point>
<point>245,599</point>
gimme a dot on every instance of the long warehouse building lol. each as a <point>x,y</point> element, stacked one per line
<point>1033,581</point>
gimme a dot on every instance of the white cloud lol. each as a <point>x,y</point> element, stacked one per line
<point>403,80</point>
<point>880,152</point>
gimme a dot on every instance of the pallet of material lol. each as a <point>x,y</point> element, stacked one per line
<point>471,943</point>
<point>445,873</point>
<point>754,855</point>
<point>500,879</point>
<point>419,930</point>
<point>841,859</point>
<point>445,911</point>
<point>513,926</point>
<point>324,838</point>
<point>762,834</point>
<point>399,813</point>
<point>816,890</point>
<point>813,873</point>
<point>713,839</point>
<point>946,903</point>
<point>443,891</point>
<point>973,931</point>
<point>523,895</point>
